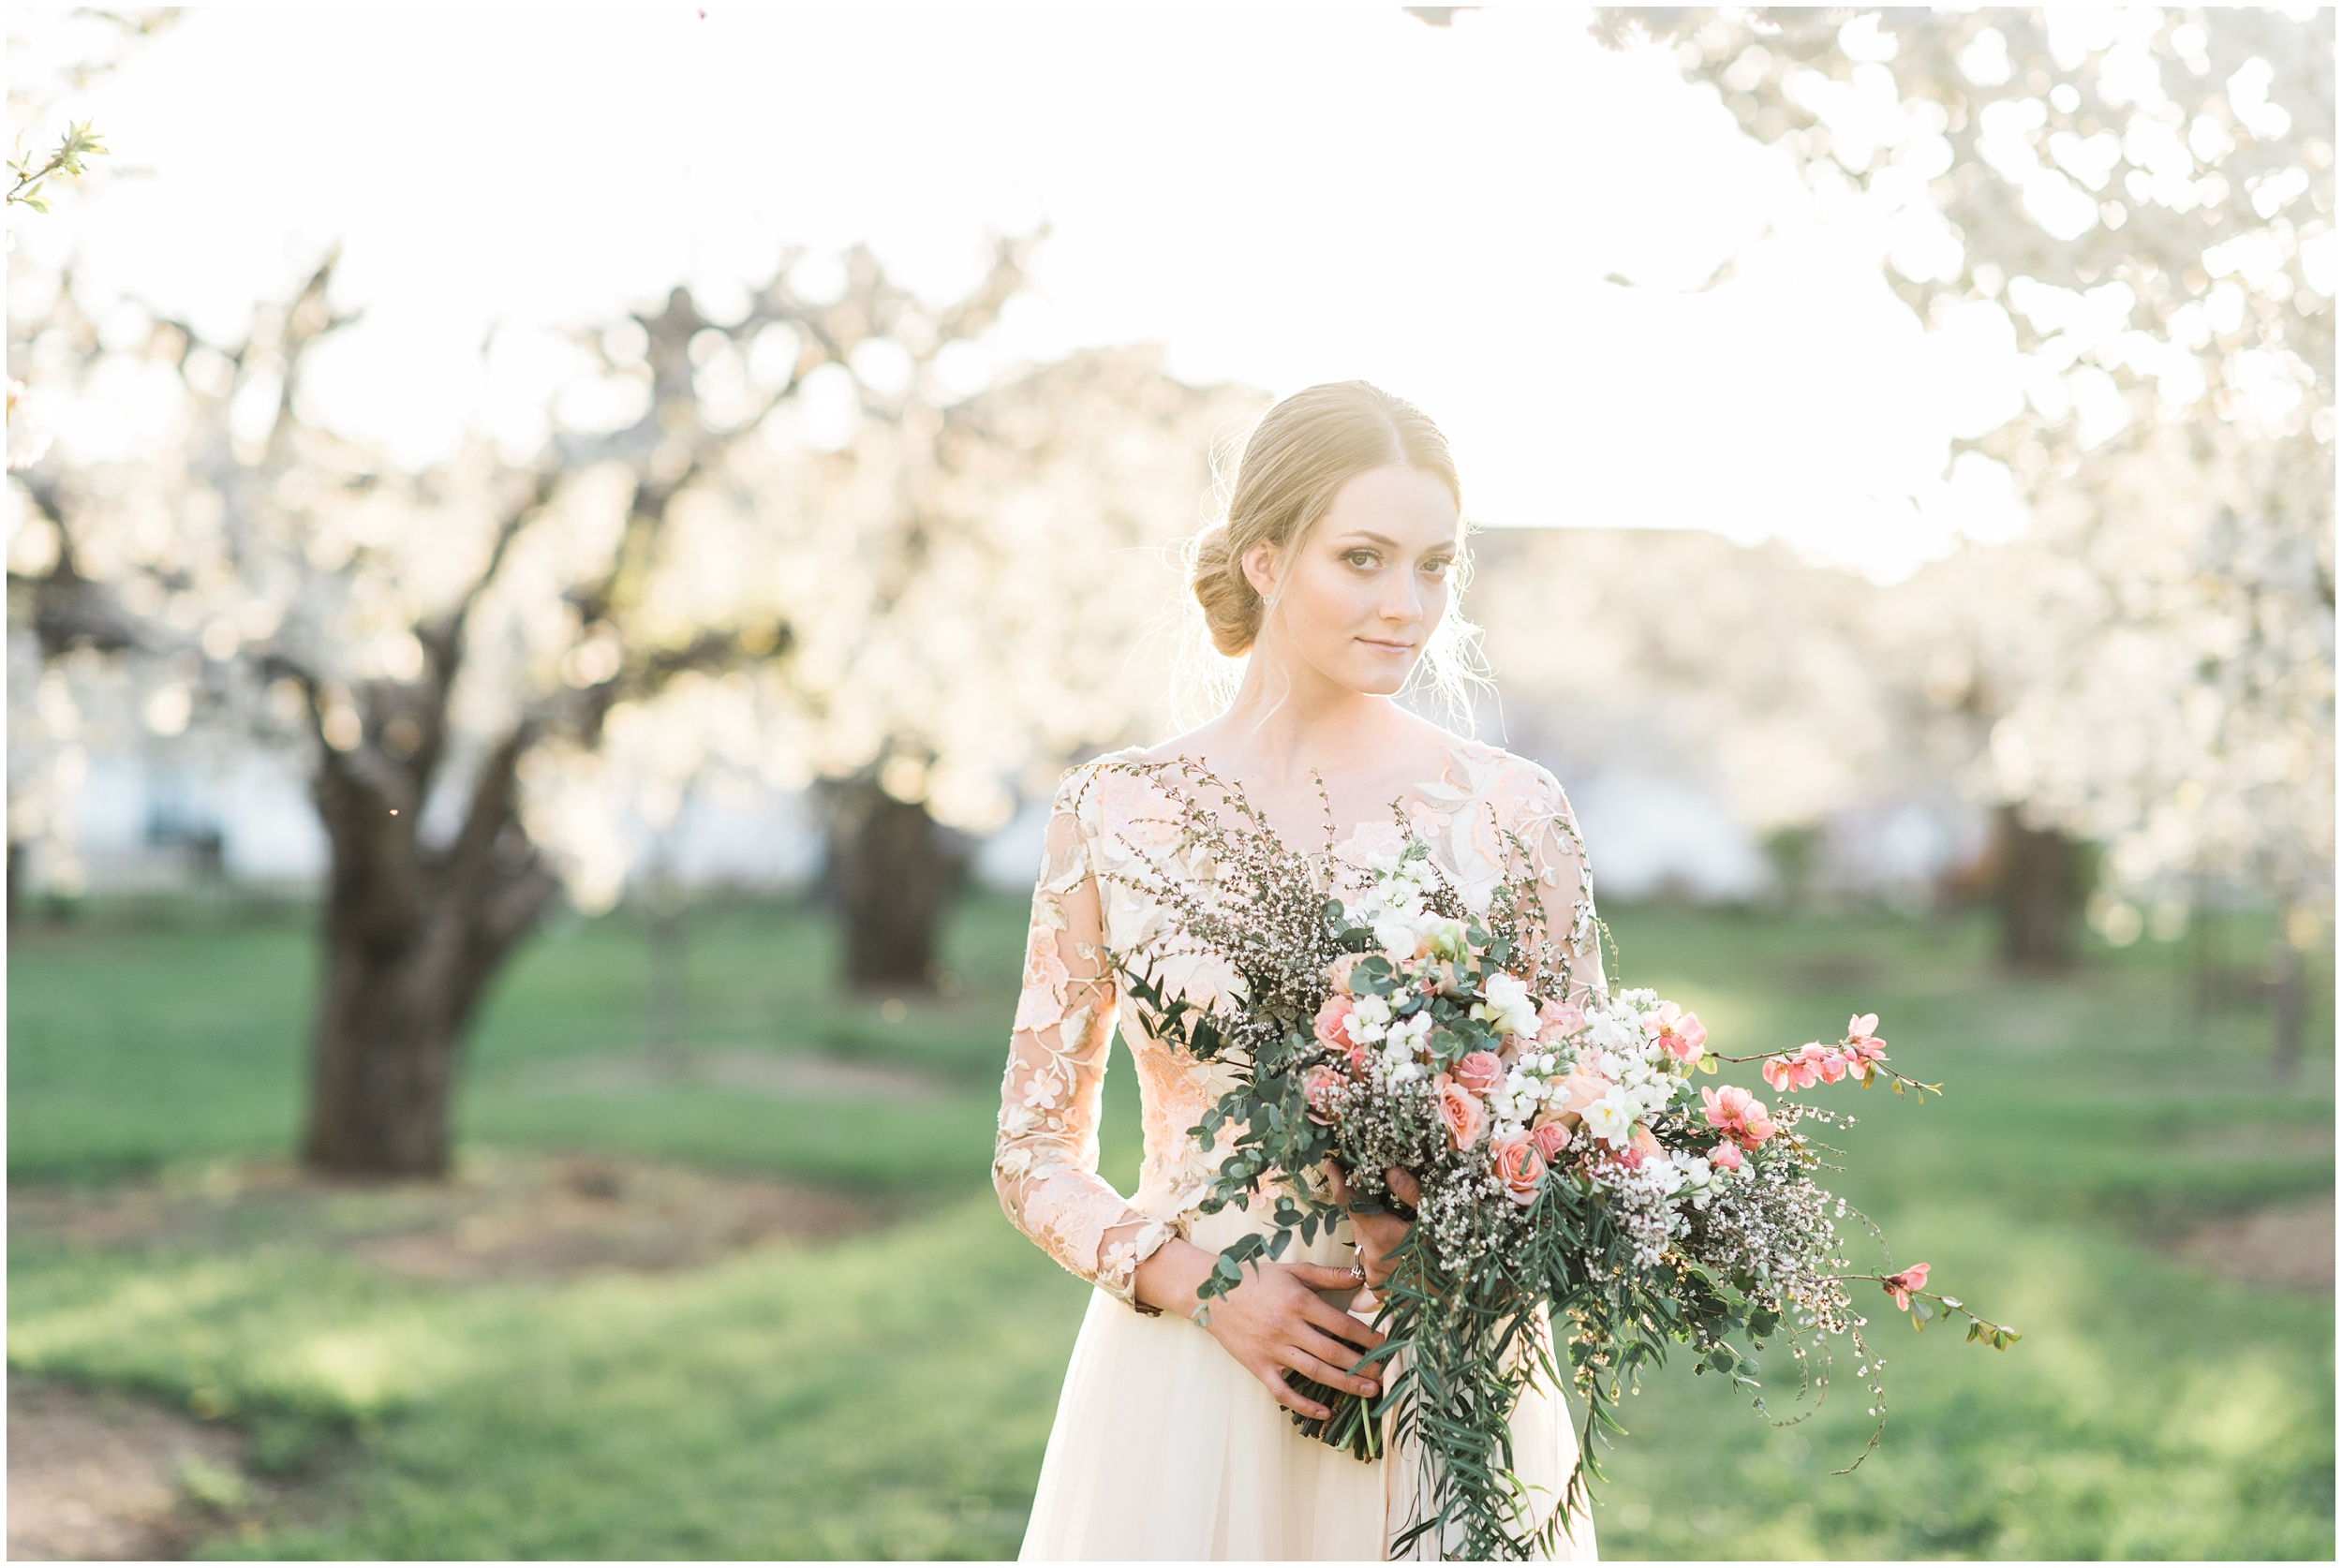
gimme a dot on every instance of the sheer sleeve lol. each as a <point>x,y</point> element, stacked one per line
<point>1044,1161</point>
<point>1557,852</point>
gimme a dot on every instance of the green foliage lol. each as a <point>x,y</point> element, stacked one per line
<point>78,141</point>
<point>890,1396</point>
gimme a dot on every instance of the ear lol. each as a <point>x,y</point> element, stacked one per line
<point>1260,567</point>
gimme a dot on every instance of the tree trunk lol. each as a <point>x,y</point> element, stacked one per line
<point>385,1057</point>
<point>2040,893</point>
<point>891,872</point>
<point>2286,999</point>
<point>670,969</point>
<point>412,936</point>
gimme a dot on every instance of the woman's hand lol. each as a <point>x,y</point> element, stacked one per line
<point>1379,1234</point>
<point>1274,1320</point>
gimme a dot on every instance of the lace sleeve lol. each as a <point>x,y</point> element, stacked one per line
<point>1557,852</point>
<point>1045,1162</point>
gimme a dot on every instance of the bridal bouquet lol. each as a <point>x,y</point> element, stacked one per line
<point>1575,1176</point>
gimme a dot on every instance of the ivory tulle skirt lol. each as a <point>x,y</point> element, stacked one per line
<point>1165,1449</point>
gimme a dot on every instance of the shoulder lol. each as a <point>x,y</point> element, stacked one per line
<point>1522,792</point>
<point>1084,790</point>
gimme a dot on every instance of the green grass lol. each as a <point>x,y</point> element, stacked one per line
<point>890,1394</point>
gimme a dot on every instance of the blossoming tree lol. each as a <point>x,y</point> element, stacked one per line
<point>2142,199</point>
<point>486,658</point>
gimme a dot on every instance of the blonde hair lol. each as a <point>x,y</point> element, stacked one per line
<point>1296,459</point>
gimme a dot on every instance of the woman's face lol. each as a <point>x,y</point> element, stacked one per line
<point>1367,586</point>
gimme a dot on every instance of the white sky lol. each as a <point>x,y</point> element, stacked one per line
<point>1280,196</point>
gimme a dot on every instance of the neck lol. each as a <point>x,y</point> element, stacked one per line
<point>1291,721</point>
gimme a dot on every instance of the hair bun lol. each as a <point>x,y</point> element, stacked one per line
<point>1232,610</point>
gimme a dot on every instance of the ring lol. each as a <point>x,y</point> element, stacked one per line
<point>1357,1272</point>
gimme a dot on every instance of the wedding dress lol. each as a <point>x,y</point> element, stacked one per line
<point>1164,1447</point>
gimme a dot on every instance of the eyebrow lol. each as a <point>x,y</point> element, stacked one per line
<point>1390,543</point>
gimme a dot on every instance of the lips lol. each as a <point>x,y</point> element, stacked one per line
<point>1388,647</point>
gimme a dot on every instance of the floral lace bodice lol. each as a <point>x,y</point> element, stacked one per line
<point>1046,1160</point>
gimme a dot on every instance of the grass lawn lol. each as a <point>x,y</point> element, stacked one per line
<point>889,1394</point>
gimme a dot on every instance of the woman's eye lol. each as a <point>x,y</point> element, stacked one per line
<point>1438,569</point>
<point>1361,559</point>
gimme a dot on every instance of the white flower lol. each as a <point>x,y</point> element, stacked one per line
<point>1663,1169</point>
<point>1445,935</point>
<point>1609,1032</point>
<point>1395,934</point>
<point>1696,1170</point>
<point>1641,1000</point>
<point>1507,1005</point>
<point>1610,1118</point>
<point>1408,1033</point>
<point>1506,993</point>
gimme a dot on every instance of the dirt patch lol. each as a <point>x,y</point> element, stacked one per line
<point>599,1214</point>
<point>2262,1142</point>
<point>502,1215</point>
<point>2291,1248</point>
<point>102,1477</point>
<point>771,1075</point>
<point>1836,969</point>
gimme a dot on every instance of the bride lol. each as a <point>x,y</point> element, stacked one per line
<point>1334,570</point>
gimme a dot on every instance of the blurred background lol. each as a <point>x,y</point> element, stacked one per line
<point>555,558</point>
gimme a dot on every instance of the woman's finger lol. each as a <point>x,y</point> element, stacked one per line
<point>1287,1395</point>
<point>1336,1183</point>
<point>1342,1358</point>
<point>1329,1373</point>
<point>1323,1276</point>
<point>1403,1186</point>
<point>1341,1325</point>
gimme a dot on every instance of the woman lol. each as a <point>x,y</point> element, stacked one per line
<point>1334,572</point>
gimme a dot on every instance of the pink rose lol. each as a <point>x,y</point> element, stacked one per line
<point>1319,1086</point>
<point>1584,1089</point>
<point>1461,1113</point>
<point>1560,1015</point>
<point>1518,1166</point>
<point>1550,1137</point>
<point>1333,1023</point>
<point>1480,1072</point>
<point>1339,971</point>
<point>1725,1156</point>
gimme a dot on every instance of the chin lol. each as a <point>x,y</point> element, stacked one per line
<point>1381,683</point>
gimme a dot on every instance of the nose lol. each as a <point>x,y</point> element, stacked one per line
<point>1402,598</point>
